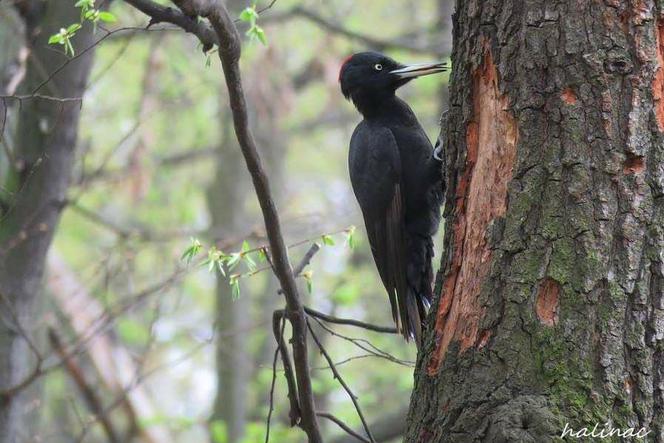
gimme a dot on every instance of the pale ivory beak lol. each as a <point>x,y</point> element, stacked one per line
<point>420,69</point>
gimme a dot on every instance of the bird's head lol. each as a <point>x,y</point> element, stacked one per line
<point>368,78</point>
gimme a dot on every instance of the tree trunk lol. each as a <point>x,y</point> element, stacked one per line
<point>44,155</point>
<point>550,308</point>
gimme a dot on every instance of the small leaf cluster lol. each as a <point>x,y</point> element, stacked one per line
<point>250,15</point>
<point>88,13</point>
<point>226,263</point>
<point>349,232</point>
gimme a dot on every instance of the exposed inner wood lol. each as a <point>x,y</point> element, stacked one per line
<point>481,197</point>
<point>658,81</point>
<point>634,164</point>
<point>546,304</point>
<point>568,96</point>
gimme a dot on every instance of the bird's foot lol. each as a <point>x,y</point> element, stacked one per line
<point>438,151</point>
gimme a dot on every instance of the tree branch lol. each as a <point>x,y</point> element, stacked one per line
<point>164,14</point>
<point>343,426</point>
<point>349,322</point>
<point>274,379</point>
<point>229,53</point>
<point>337,375</point>
<point>294,412</point>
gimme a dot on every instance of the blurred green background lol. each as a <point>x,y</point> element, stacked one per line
<point>158,165</point>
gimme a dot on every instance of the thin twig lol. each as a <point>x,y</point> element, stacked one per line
<point>313,249</point>
<point>337,375</point>
<point>274,380</point>
<point>22,98</point>
<point>294,412</point>
<point>349,322</point>
<point>364,344</point>
<point>79,54</point>
<point>342,425</point>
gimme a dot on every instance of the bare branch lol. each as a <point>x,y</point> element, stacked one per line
<point>294,413</point>
<point>337,375</point>
<point>274,379</point>
<point>315,247</point>
<point>343,426</point>
<point>21,98</point>
<point>349,322</point>
<point>364,345</point>
<point>229,54</point>
<point>164,14</point>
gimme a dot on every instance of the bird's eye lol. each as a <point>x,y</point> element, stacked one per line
<point>378,67</point>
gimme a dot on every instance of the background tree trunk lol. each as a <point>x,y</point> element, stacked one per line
<point>230,205</point>
<point>550,304</point>
<point>44,156</point>
<point>226,198</point>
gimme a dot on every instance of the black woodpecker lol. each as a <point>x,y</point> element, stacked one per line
<point>397,180</point>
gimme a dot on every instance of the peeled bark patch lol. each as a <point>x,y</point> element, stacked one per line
<point>634,164</point>
<point>481,196</point>
<point>546,304</point>
<point>568,96</point>
<point>658,81</point>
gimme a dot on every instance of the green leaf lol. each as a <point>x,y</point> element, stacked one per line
<point>235,286</point>
<point>220,266</point>
<point>327,240</point>
<point>215,257</point>
<point>308,278</point>
<point>233,260</point>
<point>192,250</point>
<point>260,34</point>
<point>85,4</point>
<point>73,28</point>
<point>55,38</point>
<point>350,237</point>
<point>249,15</point>
<point>69,49</point>
<point>245,247</point>
<point>262,254</point>
<point>107,17</point>
<point>251,264</point>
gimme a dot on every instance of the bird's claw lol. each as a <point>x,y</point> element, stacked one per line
<point>437,150</point>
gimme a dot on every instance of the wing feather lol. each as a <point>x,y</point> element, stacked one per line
<point>375,167</point>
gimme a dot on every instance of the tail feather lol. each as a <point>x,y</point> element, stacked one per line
<point>419,294</point>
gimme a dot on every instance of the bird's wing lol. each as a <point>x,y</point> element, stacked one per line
<point>375,167</point>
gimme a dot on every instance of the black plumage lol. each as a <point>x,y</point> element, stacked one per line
<point>396,178</point>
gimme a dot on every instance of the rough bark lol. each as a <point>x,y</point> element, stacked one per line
<point>44,157</point>
<point>550,297</point>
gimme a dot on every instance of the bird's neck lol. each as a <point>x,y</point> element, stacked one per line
<point>378,107</point>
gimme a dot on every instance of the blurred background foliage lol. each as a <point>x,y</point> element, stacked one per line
<point>157,165</point>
